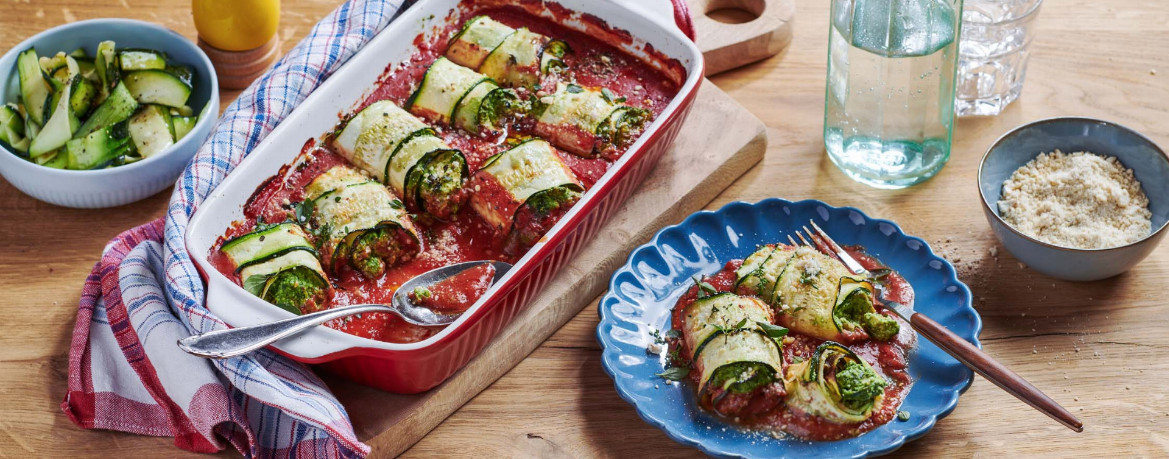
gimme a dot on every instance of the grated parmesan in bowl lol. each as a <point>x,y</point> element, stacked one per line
<point>1080,200</point>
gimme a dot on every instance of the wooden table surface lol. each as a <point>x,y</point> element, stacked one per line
<point>1095,347</point>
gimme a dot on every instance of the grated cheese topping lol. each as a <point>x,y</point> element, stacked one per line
<point>1080,200</point>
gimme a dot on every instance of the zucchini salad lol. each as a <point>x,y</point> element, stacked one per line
<point>78,111</point>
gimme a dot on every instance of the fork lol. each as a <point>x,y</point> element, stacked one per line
<point>960,349</point>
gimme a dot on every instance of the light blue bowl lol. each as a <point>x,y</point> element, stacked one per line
<point>123,184</point>
<point>643,291</point>
<point>1070,134</point>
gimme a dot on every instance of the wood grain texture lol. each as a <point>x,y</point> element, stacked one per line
<point>765,31</point>
<point>1098,348</point>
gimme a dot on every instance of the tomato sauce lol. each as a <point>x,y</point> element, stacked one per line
<point>887,359</point>
<point>458,292</point>
<point>466,236</point>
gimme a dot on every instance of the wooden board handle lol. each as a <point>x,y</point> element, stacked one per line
<point>993,371</point>
<point>727,46</point>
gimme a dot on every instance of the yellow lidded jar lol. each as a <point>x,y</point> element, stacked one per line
<point>236,25</point>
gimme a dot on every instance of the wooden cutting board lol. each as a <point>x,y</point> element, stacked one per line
<point>726,45</point>
<point>720,142</point>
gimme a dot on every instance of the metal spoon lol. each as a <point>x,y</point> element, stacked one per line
<point>222,344</point>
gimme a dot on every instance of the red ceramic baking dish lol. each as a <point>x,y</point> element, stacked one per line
<point>416,367</point>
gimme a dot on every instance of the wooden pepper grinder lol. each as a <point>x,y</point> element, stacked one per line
<point>239,36</point>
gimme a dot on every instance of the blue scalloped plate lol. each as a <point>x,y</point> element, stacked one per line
<point>642,292</point>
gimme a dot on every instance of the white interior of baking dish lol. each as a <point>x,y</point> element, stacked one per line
<point>340,94</point>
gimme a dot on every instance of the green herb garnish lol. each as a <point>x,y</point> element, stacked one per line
<point>675,373</point>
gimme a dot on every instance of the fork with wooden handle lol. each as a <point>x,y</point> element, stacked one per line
<point>962,350</point>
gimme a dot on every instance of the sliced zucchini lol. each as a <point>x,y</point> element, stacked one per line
<point>265,244</point>
<point>108,69</point>
<point>479,36</point>
<point>466,114</point>
<point>82,96</point>
<point>51,64</point>
<point>750,278</point>
<point>87,69</point>
<point>118,106</point>
<point>397,147</point>
<point>21,147</point>
<point>151,130</point>
<point>157,87</point>
<point>58,129</point>
<point>552,58</point>
<point>374,134</point>
<point>183,125</point>
<point>517,61</point>
<point>435,183</point>
<point>61,74</point>
<point>443,86</point>
<point>54,99</point>
<point>185,110</point>
<point>34,89</point>
<point>11,124</point>
<point>280,265</point>
<point>364,225</point>
<point>588,121</point>
<point>507,181</point>
<point>132,59</point>
<point>55,159</point>
<point>79,53</point>
<point>183,72</point>
<point>31,128</point>
<point>97,149</point>
<point>834,385</point>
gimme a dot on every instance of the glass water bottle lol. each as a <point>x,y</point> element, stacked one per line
<point>889,104</point>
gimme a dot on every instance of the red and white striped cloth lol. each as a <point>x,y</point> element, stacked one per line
<point>126,372</point>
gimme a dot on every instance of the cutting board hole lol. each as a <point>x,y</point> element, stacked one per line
<point>735,11</point>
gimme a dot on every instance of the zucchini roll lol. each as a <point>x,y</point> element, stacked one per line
<point>814,294</point>
<point>761,269</point>
<point>522,191</point>
<point>739,361</point>
<point>453,95</point>
<point>834,385</point>
<point>588,121</point>
<point>280,265</point>
<point>407,155</point>
<point>361,222</point>
<point>513,57</point>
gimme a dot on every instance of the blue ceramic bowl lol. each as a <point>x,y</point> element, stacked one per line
<point>642,292</point>
<point>123,184</point>
<point>1068,134</point>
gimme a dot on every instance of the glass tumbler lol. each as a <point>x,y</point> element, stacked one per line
<point>889,102</point>
<point>993,54</point>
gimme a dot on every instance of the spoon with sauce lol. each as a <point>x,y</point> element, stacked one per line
<point>432,299</point>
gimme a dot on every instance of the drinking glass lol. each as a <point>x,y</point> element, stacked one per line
<point>992,55</point>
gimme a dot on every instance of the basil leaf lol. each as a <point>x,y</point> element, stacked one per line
<point>573,89</point>
<point>608,95</point>
<point>773,331</point>
<point>740,324</point>
<point>675,373</point>
<point>304,210</point>
<point>255,284</point>
<point>704,288</point>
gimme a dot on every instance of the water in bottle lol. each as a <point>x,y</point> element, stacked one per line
<point>889,107</point>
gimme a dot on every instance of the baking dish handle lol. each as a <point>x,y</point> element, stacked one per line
<point>666,12</point>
